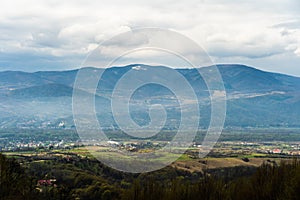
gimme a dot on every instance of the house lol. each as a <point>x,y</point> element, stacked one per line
<point>49,182</point>
<point>277,151</point>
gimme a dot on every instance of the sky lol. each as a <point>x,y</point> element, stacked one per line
<point>58,35</point>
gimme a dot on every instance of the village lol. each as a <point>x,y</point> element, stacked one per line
<point>220,149</point>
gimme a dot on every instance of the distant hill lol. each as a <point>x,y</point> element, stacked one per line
<point>47,90</point>
<point>255,98</point>
<point>244,78</point>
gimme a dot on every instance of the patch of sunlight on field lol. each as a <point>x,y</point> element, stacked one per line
<point>184,157</point>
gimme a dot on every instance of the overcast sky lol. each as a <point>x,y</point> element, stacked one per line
<point>57,35</point>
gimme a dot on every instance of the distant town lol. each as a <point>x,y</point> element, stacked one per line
<point>222,148</point>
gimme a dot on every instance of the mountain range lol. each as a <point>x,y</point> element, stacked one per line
<point>255,98</point>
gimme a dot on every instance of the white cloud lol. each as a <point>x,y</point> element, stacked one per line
<point>227,29</point>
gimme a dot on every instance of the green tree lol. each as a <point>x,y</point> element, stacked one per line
<point>14,184</point>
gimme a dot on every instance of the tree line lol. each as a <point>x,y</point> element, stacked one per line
<point>85,178</point>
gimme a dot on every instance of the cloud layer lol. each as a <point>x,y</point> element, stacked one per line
<point>47,35</point>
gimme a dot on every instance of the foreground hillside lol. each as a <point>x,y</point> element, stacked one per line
<point>74,177</point>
